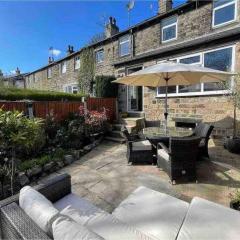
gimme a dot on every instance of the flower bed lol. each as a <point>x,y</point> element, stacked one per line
<point>31,148</point>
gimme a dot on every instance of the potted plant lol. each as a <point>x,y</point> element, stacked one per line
<point>235,200</point>
<point>232,143</point>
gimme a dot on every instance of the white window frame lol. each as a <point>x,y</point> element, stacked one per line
<point>61,67</point>
<point>72,85</point>
<point>96,59</point>
<point>76,59</point>
<point>235,2</point>
<point>49,70</point>
<point>122,42</point>
<point>202,92</point>
<point>170,25</point>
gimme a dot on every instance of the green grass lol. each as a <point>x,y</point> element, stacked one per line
<point>13,94</point>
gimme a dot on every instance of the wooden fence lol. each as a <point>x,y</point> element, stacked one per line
<point>61,109</point>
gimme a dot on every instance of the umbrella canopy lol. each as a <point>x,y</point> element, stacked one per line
<point>175,74</point>
<point>172,74</point>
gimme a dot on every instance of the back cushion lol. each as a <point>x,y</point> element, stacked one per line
<point>37,207</point>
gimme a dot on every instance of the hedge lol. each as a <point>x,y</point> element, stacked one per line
<point>13,94</point>
<point>105,88</point>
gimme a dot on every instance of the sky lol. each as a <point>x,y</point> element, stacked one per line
<point>29,28</point>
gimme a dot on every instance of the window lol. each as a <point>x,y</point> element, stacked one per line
<point>77,63</point>
<point>71,88</point>
<point>100,56</point>
<point>49,72</point>
<point>169,29</point>
<point>224,11</point>
<point>124,46</point>
<point>219,59</point>
<point>63,67</point>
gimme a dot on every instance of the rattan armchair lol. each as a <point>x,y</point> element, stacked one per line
<point>180,158</point>
<point>203,131</point>
<point>15,224</point>
<point>138,150</point>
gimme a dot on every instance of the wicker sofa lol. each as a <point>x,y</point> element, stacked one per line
<point>145,213</point>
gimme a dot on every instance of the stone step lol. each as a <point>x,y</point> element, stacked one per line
<point>115,133</point>
<point>114,139</point>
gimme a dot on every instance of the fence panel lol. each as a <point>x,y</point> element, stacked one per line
<point>10,106</point>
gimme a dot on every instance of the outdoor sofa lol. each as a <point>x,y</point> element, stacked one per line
<point>144,215</point>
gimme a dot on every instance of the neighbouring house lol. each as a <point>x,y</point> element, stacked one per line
<point>16,79</point>
<point>206,33</point>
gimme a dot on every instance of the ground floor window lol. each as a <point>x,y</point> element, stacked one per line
<point>219,59</point>
<point>71,88</point>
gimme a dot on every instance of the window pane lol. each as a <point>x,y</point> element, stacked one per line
<point>219,60</point>
<point>190,88</point>
<point>169,21</point>
<point>218,3</point>
<point>224,14</point>
<point>99,56</point>
<point>190,60</point>
<point>171,89</point>
<point>169,33</point>
<point>124,48</point>
<point>124,39</point>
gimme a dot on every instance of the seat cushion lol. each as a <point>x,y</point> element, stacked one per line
<point>80,204</point>
<point>156,214</point>
<point>162,153</point>
<point>65,228</point>
<point>104,224</point>
<point>142,146</point>
<point>38,208</point>
<point>206,220</point>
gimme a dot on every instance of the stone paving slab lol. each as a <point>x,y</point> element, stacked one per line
<point>103,177</point>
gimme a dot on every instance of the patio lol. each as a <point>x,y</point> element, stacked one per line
<point>103,177</point>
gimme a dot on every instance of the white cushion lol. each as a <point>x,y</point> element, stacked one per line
<point>105,225</point>
<point>156,214</point>
<point>206,220</point>
<point>163,154</point>
<point>80,204</point>
<point>37,207</point>
<point>141,146</point>
<point>64,228</point>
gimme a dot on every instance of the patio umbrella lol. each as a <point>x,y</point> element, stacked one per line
<point>172,74</point>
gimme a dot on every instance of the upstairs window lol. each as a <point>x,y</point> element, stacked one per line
<point>224,12</point>
<point>169,29</point>
<point>124,46</point>
<point>71,88</point>
<point>77,63</point>
<point>63,67</point>
<point>49,72</point>
<point>100,56</point>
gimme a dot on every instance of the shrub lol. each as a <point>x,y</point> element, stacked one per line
<point>13,94</point>
<point>105,88</point>
<point>24,166</point>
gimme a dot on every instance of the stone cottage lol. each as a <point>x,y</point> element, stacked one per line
<point>206,33</point>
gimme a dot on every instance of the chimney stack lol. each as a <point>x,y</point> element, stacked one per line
<point>18,72</point>
<point>111,27</point>
<point>50,60</point>
<point>70,50</point>
<point>164,6</point>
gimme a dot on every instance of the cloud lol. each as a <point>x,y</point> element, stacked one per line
<point>13,71</point>
<point>55,52</point>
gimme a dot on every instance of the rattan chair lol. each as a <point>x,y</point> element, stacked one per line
<point>180,158</point>
<point>16,224</point>
<point>203,131</point>
<point>138,150</point>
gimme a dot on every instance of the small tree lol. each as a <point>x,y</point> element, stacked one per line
<point>17,132</point>
<point>1,78</point>
<point>105,88</point>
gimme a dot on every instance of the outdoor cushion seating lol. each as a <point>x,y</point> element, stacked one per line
<point>203,131</point>
<point>180,158</point>
<point>145,214</point>
<point>138,150</point>
<point>156,214</point>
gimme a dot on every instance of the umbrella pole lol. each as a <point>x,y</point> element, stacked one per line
<point>166,105</point>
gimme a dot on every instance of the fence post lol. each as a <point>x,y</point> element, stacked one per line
<point>116,110</point>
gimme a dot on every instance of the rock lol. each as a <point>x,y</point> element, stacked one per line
<point>68,159</point>
<point>48,167</point>
<point>60,164</point>
<point>88,148</point>
<point>23,179</point>
<point>77,154</point>
<point>37,170</point>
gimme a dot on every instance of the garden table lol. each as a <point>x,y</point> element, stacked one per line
<point>158,134</point>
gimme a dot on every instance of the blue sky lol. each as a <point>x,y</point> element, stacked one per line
<point>29,28</point>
